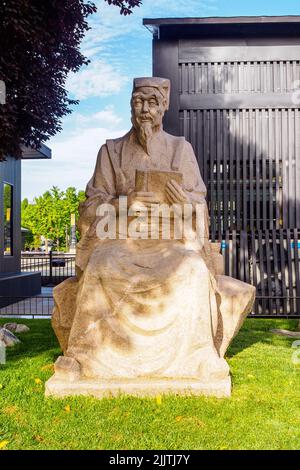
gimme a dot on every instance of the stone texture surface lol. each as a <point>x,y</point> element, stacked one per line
<point>8,338</point>
<point>146,316</point>
<point>64,310</point>
<point>145,387</point>
<point>288,333</point>
<point>16,327</point>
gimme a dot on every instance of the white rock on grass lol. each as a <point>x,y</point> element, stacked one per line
<point>16,327</point>
<point>8,338</point>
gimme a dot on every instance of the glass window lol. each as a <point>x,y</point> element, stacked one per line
<point>8,218</point>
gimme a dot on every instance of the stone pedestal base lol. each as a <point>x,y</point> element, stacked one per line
<point>57,387</point>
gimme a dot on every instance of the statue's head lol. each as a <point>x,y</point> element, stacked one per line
<point>149,101</point>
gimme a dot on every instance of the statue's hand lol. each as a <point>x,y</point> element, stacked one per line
<point>137,199</point>
<point>175,193</point>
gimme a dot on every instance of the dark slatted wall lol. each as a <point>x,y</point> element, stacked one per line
<point>249,160</point>
<point>240,109</point>
<point>270,260</point>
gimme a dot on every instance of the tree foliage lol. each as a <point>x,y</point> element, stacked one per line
<point>126,6</point>
<point>50,215</point>
<point>40,44</point>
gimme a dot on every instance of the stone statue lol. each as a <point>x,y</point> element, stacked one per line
<point>146,315</point>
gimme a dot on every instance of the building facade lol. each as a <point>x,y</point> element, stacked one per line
<point>14,283</point>
<point>236,97</point>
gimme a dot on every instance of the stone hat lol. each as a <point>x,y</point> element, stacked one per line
<point>162,84</point>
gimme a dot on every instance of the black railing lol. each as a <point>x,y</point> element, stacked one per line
<point>267,259</point>
<point>40,306</point>
<point>270,261</point>
<point>54,267</point>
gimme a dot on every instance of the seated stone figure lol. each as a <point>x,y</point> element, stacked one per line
<point>146,316</point>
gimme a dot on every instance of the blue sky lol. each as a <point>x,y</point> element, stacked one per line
<point>119,48</point>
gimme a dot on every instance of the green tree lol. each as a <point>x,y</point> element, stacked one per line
<point>50,215</point>
<point>40,45</point>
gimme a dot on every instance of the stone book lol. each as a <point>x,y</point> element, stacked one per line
<point>155,181</point>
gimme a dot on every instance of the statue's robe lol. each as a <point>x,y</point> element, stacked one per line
<point>145,307</point>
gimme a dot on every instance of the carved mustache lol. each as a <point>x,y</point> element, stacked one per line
<point>145,117</point>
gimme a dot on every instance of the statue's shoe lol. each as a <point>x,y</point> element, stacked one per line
<point>67,368</point>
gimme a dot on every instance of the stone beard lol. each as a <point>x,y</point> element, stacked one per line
<point>144,317</point>
<point>145,121</point>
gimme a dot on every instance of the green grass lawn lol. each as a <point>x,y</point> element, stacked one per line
<point>263,412</point>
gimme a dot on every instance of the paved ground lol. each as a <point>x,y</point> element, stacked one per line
<point>39,306</point>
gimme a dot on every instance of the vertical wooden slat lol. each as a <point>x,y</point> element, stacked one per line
<point>290,169</point>
<point>184,79</point>
<point>284,150</point>
<point>261,272</point>
<point>226,250</point>
<point>256,77</point>
<point>241,265</point>
<point>186,127</point>
<point>236,78</point>
<point>257,166</point>
<point>268,77</point>
<point>269,271</point>
<point>254,263</point>
<point>196,77</point>
<point>276,77</point>
<point>281,76</point>
<point>193,130</point>
<point>190,78</point>
<point>232,197</point>
<point>209,78</point>
<point>297,168</point>
<point>212,163</point>
<point>277,170</point>
<point>264,176</point>
<point>204,69</point>
<point>288,76</point>
<point>271,163</point>
<point>290,271</point>
<point>241,77</point>
<point>251,181</point>
<point>180,79</point>
<point>218,171</point>
<point>199,139</point>
<point>245,140</point>
<point>225,153</point>
<point>275,272</point>
<point>206,140</point>
<point>283,265</point>
<point>297,269</point>
<point>247,258</point>
<point>238,159</point>
<point>234,254</point>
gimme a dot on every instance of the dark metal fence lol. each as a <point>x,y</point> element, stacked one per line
<point>269,260</point>
<point>54,267</point>
<point>40,306</point>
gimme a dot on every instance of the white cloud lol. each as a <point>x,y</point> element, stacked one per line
<point>97,79</point>
<point>107,25</point>
<point>104,43</point>
<point>72,164</point>
<point>106,117</point>
<point>114,43</point>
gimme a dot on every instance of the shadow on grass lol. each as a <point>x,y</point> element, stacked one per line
<point>257,330</point>
<point>39,340</point>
